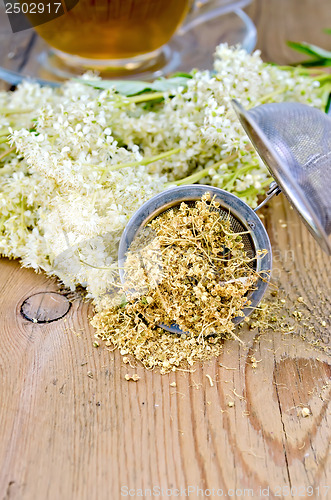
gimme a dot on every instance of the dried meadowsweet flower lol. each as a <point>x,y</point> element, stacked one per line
<point>133,377</point>
<point>193,272</point>
<point>305,412</point>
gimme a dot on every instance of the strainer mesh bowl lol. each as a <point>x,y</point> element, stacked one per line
<point>242,219</point>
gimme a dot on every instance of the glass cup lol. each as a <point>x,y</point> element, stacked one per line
<point>122,37</point>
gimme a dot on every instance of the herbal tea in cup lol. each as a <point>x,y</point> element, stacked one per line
<point>113,32</point>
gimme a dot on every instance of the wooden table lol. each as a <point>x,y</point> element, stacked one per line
<point>65,435</point>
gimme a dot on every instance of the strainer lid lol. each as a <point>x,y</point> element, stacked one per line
<point>294,142</point>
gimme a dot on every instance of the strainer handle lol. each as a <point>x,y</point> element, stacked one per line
<point>274,190</point>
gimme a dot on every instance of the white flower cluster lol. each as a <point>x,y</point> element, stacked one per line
<point>84,159</point>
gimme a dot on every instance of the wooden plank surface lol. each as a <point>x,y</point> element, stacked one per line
<point>64,434</point>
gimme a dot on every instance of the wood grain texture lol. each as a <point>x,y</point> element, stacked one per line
<point>72,427</point>
<point>281,20</point>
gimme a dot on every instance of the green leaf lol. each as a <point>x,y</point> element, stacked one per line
<point>134,87</point>
<point>328,104</point>
<point>123,302</point>
<point>182,74</point>
<point>327,30</point>
<point>311,63</point>
<point>310,49</point>
<point>164,84</point>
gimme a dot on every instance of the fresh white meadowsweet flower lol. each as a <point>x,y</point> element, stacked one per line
<point>84,160</point>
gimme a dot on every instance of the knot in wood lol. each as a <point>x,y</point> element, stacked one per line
<point>45,307</point>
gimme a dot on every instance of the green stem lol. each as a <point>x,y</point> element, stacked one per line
<point>4,132</point>
<point>301,70</point>
<point>323,77</point>
<point>136,99</point>
<point>239,172</point>
<point>17,111</point>
<point>144,161</point>
<point>146,97</point>
<point>253,190</point>
<point>6,169</point>
<point>266,97</point>
<point>2,225</point>
<point>93,267</point>
<point>192,179</point>
<point>6,153</point>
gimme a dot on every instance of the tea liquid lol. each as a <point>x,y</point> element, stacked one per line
<point>115,29</point>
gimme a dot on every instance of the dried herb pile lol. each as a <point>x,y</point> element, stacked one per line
<point>192,270</point>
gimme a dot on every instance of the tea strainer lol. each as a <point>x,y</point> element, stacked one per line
<point>242,220</point>
<point>294,142</point>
